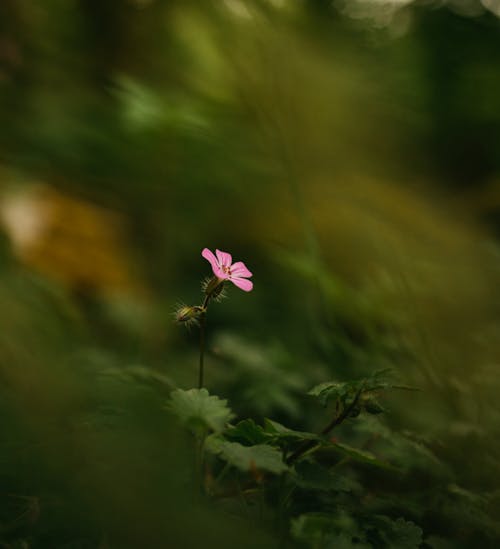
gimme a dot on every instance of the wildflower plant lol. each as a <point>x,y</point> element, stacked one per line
<point>294,473</point>
<point>224,270</point>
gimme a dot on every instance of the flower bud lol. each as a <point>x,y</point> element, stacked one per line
<point>213,287</point>
<point>189,315</point>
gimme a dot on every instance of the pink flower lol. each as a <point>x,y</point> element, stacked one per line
<point>224,269</point>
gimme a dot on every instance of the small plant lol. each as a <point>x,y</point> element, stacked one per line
<point>224,270</point>
<point>299,478</point>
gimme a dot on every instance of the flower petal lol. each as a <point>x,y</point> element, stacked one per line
<point>239,270</point>
<point>224,258</point>
<point>242,283</point>
<point>209,256</point>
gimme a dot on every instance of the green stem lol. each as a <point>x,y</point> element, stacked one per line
<point>213,290</point>
<point>337,420</point>
<point>202,351</point>
<point>201,369</point>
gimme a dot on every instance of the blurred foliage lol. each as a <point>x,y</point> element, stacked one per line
<point>349,153</point>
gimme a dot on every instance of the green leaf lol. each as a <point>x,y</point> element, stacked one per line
<point>199,411</point>
<point>248,433</point>
<point>279,431</point>
<point>247,458</point>
<point>318,389</point>
<point>362,456</point>
<point>312,527</point>
<point>328,531</point>
<point>398,534</point>
<point>332,391</point>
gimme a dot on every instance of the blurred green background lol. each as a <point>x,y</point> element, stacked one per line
<point>347,151</point>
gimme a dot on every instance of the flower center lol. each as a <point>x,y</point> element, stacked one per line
<point>226,269</point>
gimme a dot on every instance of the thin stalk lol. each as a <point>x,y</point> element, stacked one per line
<point>201,369</point>
<point>202,351</point>
<point>337,420</point>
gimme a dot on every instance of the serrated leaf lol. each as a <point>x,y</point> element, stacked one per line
<point>248,433</point>
<point>277,430</point>
<point>247,458</point>
<point>330,391</point>
<point>199,410</point>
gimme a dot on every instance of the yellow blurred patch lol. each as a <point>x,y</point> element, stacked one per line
<point>69,239</point>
